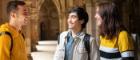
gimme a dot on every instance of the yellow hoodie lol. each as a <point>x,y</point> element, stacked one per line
<point>19,48</point>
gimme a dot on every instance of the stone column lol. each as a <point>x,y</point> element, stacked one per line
<point>1,12</point>
<point>61,7</point>
<point>4,10</point>
<point>91,26</point>
<point>33,28</point>
<point>27,31</point>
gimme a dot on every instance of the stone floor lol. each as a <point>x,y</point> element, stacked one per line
<point>45,51</point>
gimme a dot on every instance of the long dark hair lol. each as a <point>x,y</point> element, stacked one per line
<point>111,20</point>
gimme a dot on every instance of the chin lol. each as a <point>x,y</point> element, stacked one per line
<point>69,28</point>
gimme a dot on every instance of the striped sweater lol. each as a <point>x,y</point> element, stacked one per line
<point>118,47</point>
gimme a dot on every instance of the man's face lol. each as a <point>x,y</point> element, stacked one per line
<point>21,15</point>
<point>73,21</point>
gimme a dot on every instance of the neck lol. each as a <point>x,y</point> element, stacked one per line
<point>15,25</point>
<point>75,31</point>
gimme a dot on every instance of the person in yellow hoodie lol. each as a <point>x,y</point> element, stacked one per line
<point>12,43</point>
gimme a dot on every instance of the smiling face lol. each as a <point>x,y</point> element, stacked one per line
<point>73,21</point>
<point>21,15</point>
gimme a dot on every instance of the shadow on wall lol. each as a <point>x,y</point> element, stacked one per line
<point>1,21</point>
<point>136,38</point>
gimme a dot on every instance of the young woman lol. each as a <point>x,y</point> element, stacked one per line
<point>115,42</point>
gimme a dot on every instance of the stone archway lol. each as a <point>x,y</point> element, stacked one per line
<point>49,21</point>
<point>62,7</point>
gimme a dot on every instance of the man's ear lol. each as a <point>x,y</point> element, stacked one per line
<point>12,14</point>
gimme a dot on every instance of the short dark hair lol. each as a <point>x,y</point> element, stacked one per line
<point>12,5</point>
<point>82,14</point>
<point>112,22</point>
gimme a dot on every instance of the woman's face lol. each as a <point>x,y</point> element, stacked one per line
<point>98,17</point>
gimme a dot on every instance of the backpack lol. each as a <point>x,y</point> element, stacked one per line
<point>8,33</point>
<point>86,43</point>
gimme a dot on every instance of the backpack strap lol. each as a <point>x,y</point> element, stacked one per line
<point>87,44</point>
<point>8,33</point>
<point>23,36</point>
<point>58,39</point>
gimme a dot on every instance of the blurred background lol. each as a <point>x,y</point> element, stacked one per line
<point>48,18</point>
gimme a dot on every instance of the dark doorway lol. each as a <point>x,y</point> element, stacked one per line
<point>49,26</point>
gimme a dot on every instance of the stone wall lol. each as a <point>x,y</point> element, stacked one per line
<point>49,21</point>
<point>41,11</point>
<point>3,14</point>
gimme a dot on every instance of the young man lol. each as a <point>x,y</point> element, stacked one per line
<point>12,43</point>
<point>75,44</point>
